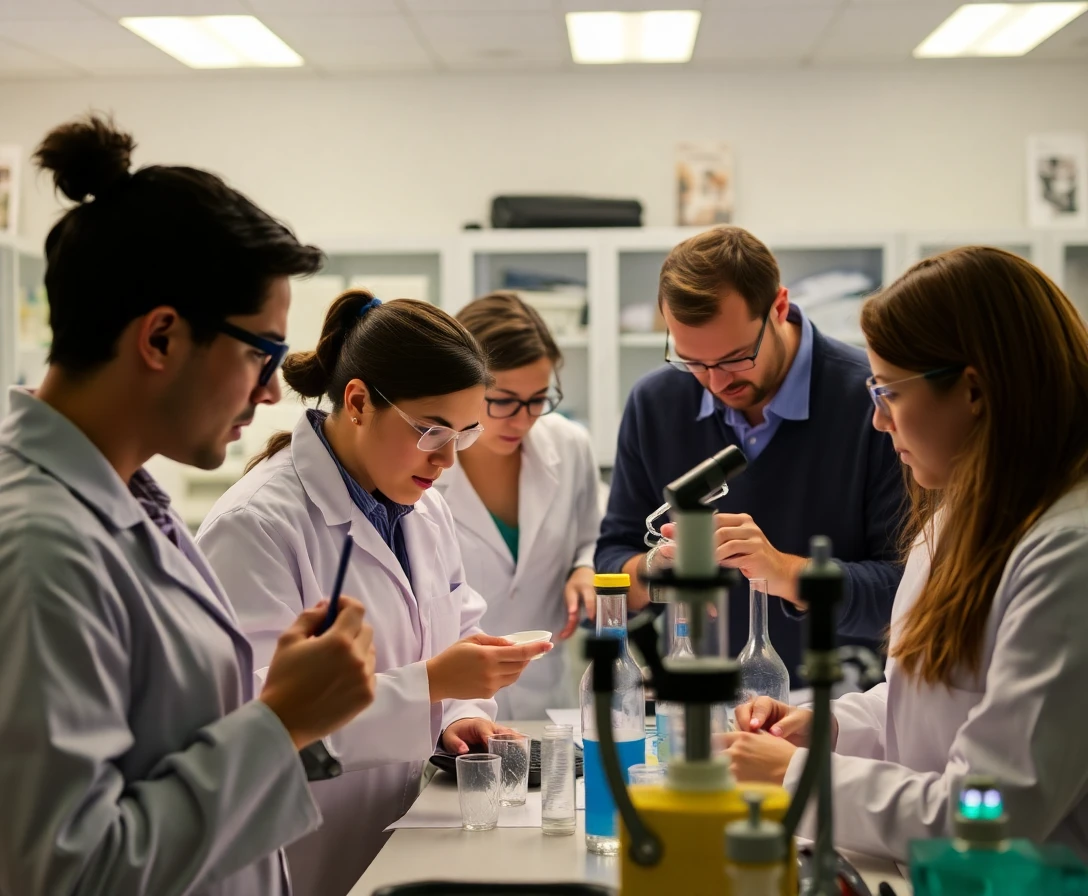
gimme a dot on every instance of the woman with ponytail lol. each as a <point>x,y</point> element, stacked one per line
<point>405,386</point>
<point>980,379</point>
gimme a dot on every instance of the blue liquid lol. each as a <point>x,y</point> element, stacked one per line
<point>600,807</point>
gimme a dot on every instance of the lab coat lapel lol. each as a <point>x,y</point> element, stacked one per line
<point>538,488</point>
<point>51,441</point>
<point>325,487</point>
<point>471,515</point>
<point>422,535</point>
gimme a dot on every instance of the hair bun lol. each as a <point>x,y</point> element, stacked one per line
<point>87,156</point>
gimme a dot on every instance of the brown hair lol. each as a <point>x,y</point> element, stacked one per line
<point>1005,318</point>
<point>702,268</point>
<point>404,348</point>
<point>511,332</point>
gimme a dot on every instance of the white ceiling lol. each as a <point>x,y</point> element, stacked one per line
<point>74,38</point>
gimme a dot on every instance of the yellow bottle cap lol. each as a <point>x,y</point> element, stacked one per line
<point>611,580</point>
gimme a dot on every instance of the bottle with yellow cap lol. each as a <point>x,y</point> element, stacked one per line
<point>628,716</point>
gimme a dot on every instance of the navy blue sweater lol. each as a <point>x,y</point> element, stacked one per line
<point>832,474</point>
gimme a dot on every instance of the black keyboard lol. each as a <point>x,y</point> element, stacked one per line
<point>448,761</point>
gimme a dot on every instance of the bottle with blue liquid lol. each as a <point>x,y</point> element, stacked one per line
<point>670,717</point>
<point>628,717</point>
<point>981,860</point>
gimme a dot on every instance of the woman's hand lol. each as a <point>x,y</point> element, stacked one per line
<point>459,736</point>
<point>758,757</point>
<point>578,591</point>
<point>778,719</point>
<point>478,666</point>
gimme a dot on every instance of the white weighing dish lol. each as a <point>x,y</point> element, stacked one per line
<point>533,637</point>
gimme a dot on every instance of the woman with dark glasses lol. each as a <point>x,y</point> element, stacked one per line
<point>980,377</point>
<point>524,498</point>
<point>404,383</point>
<point>140,755</point>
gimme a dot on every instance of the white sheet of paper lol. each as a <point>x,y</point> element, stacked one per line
<point>572,717</point>
<point>448,814</point>
<point>580,794</point>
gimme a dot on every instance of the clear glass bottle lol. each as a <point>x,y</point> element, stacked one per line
<point>670,718</point>
<point>762,672</point>
<point>628,717</point>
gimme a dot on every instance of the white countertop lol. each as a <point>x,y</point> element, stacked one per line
<point>519,854</point>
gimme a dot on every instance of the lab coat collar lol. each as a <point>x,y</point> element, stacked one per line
<point>324,486</point>
<point>319,475</point>
<point>538,487</point>
<point>46,438</point>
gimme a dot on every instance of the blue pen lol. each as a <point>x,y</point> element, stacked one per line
<point>334,600</point>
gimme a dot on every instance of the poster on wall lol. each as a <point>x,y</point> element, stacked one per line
<point>9,188</point>
<point>1057,179</point>
<point>704,183</point>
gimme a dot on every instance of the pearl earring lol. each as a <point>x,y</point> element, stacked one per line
<point>354,419</point>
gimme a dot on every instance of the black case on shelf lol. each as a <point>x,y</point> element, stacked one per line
<point>564,211</point>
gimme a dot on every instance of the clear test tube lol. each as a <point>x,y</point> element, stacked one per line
<point>557,780</point>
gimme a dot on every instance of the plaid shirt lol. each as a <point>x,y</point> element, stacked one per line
<point>156,504</point>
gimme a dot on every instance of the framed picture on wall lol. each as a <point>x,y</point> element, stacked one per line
<point>704,183</point>
<point>10,157</point>
<point>1057,179</point>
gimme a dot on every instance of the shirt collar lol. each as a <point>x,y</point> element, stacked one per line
<point>368,503</point>
<point>791,401</point>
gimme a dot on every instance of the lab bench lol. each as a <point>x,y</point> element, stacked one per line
<point>522,855</point>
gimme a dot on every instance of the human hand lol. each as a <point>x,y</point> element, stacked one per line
<point>740,544</point>
<point>758,756</point>
<point>318,683</point>
<point>776,718</point>
<point>577,592</point>
<point>478,666</point>
<point>461,735</point>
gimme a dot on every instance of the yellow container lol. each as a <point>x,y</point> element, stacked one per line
<point>691,825</point>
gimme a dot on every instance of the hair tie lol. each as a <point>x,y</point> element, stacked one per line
<point>373,303</point>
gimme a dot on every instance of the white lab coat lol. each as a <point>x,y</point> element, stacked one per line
<point>275,539</point>
<point>903,747</point>
<point>558,520</point>
<point>133,757</point>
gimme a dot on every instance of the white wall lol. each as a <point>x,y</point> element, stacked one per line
<point>917,147</point>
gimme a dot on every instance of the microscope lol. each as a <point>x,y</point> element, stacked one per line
<point>673,837</point>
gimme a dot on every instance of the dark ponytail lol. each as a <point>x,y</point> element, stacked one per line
<point>404,349</point>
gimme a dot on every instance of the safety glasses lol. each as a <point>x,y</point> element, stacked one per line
<point>276,351</point>
<point>881,393</point>
<point>434,438</point>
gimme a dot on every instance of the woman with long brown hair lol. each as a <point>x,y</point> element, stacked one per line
<point>980,377</point>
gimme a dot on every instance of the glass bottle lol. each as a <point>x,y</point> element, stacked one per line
<point>628,717</point>
<point>762,672</point>
<point>669,717</point>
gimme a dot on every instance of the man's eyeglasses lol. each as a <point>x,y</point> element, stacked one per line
<point>881,393</point>
<point>733,365</point>
<point>275,350</point>
<point>538,406</point>
<point>434,438</point>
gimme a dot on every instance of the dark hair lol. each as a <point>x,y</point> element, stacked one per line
<point>999,314</point>
<point>701,268</point>
<point>404,349</point>
<point>162,235</point>
<point>511,332</point>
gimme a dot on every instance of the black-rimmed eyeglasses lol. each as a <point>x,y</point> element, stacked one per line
<point>537,406</point>
<point>275,350</point>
